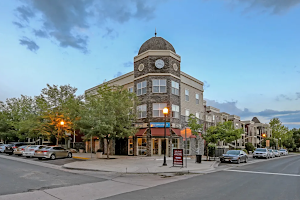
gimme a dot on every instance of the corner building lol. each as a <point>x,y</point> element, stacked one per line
<point>158,81</point>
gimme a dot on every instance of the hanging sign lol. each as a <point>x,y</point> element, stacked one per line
<point>178,157</point>
<point>159,124</point>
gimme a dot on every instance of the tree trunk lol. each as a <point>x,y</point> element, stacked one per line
<point>206,152</point>
<point>57,141</point>
<point>108,145</point>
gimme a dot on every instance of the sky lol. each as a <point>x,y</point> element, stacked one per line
<point>246,52</point>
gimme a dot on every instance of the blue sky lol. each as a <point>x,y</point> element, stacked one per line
<point>246,51</point>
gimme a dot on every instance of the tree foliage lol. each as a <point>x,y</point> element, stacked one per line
<point>249,146</point>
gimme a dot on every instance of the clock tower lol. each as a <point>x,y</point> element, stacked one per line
<point>157,84</point>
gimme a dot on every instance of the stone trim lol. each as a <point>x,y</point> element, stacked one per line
<point>157,53</point>
<point>156,74</point>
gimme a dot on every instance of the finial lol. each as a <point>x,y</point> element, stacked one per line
<point>155,32</point>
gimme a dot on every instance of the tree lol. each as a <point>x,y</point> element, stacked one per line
<point>193,123</point>
<point>273,142</point>
<point>228,133</point>
<point>278,129</point>
<point>249,146</point>
<point>109,114</point>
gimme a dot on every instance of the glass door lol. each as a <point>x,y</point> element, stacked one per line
<point>155,146</point>
<point>130,147</point>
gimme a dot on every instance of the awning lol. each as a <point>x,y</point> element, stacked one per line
<point>176,131</point>
<point>188,133</point>
<point>141,132</point>
<point>160,132</point>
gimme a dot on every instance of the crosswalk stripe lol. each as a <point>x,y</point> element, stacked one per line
<point>254,172</point>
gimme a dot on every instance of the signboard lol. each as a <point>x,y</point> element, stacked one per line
<point>159,124</point>
<point>267,143</point>
<point>178,157</point>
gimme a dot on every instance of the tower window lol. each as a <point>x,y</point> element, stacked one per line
<point>158,109</point>
<point>187,95</point>
<point>175,88</point>
<point>159,85</point>
<point>142,111</point>
<point>142,88</point>
<point>175,111</point>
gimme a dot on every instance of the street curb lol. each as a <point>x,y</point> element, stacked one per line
<point>82,158</point>
<point>213,166</point>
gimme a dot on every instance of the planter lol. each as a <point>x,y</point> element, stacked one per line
<point>81,150</point>
<point>99,154</point>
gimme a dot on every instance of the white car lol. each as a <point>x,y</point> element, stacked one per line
<point>272,155</point>
<point>283,152</point>
<point>29,150</point>
<point>2,147</point>
<point>276,153</point>
<point>261,153</point>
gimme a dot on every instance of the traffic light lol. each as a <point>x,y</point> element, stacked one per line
<point>264,135</point>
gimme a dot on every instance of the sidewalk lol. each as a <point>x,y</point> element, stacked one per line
<point>138,164</point>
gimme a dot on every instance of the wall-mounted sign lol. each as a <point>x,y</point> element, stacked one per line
<point>178,157</point>
<point>159,124</point>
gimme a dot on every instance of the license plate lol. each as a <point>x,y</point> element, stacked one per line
<point>226,159</point>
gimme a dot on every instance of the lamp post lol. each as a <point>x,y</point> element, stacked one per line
<point>165,112</point>
<point>280,143</point>
<point>62,124</point>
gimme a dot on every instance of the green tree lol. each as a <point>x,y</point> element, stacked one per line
<point>249,146</point>
<point>109,114</point>
<point>273,142</point>
<point>278,129</point>
<point>296,136</point>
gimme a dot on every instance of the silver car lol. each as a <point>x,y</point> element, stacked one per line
<point>261,153</point>
<point>29,150</point>
<point>276,153</point>
<point>52,152</point>
<point>283,152</point>
<point>2,147</point>
<point>271,152</point>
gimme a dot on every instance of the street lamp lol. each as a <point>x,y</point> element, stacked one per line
<point>62,123</point>
<point>280,143</point>
<point>165,112</point>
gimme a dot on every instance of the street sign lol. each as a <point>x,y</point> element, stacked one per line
<point>159,124</point>
<point>267,143</point>
<point>178,157</point>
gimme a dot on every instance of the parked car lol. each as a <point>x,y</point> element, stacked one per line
<point>2,147</point>
<point>30,150</point>
<point>52,152</point>
<point>261,153</point>
<point>19,151</point>
<point>283,152</point>
<point>271,152</point>
<point>276,153</point>
<point>9,149</point>
<point>234,156</point>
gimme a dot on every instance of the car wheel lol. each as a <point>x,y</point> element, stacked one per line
<point>52,157</point>
<point>19,154</point>
<point>40,158</point>
<point>27,156</point>
<point>69,155</point>
<point>246,160</point>
<point>238,161</point>
<point>254,157</point>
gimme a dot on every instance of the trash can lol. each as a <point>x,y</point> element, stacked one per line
<point>198,158</point>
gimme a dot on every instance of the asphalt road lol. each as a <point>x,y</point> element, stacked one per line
<point>274,179</point>
<point>17,177</point>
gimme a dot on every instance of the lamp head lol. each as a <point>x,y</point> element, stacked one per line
<point>62,123</point>
<point>165,110</point>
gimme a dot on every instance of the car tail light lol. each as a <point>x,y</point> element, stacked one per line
<point>22,149</point>
<point>14,147</point>
<point>44,151</point>
<point>31,150</point>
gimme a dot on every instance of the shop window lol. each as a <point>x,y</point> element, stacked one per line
<point>142,146</point>
<point>142,88</point>
<point>175,111</point>
<point>175,88</point>
<point>142,111</point>
<point>159,86</point>
<point>158,109</point>
<point>187,146</point>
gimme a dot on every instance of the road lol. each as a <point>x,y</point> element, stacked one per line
<point>274,179</point>
<point>17,177</point>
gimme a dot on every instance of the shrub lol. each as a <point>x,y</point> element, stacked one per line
<point>249,147</point>
<point>211,150</point>
<point>245,150</point>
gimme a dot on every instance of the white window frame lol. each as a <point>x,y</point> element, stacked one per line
<point>175,110</point>
<point>160,86</point>
<point>197,99</point>
<point>187,95</point>
<point>197,113</point>
<point>187,143</point>
<point>161,106</point>
<point>187,116</point>
<point>213,118</point>
<point>142,87</point>
<point>130,88</point>
<point>142,111</point>
<point>175,88</point>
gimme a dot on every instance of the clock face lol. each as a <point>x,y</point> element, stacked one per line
<point>159,63</point>
<point>175,67</point>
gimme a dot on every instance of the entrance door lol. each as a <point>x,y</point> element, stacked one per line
<point>155,146</point>
<point>121,147</point>
<point>130,147</point>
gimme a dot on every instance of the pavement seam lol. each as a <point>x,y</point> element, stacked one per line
<point>51,195</point>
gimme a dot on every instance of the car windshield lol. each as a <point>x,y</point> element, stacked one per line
<point>270,150</point>
<point>261,150</point>
<point>42,147</point>
<point>47,148</point>
<point>282,150</point>
<point>33,146</point>
<point>22,146</point>
<point>233,152</point>
<point>275,151</point>
<point>1,144</point>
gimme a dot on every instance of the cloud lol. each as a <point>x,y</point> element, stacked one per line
<point>31,45</point>
<point>118,74</point>
<point>206,85</point>
<point>284,97</point>
<point>274,6</point>
<point>291,117</point>
<point>298,95</point>
<point>128,64</point>
<point>19,25</point>
<point>69,22</point>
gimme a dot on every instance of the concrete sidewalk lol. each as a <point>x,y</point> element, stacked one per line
<point>138,165</point>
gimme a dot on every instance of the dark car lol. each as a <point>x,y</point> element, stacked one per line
<point>9,149</point>
<point>234,156</point>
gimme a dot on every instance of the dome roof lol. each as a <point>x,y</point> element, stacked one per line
<point>156,43</point>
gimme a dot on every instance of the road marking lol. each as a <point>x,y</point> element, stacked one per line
<point>253,172</point>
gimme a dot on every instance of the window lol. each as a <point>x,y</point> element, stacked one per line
<point>130,89</point>
<point>142,146</point>
<point>175,88</point>
<point>197,99</point>
<point>197,115</point>
<point>159,86</point>
<point>158,109</point>
<point>213,117</point>
<point>187,146</point>
<point>142,88</point>
<point>142,111</point>
<point>187,95</point>
<point>175,111</point>
<point>187,114</point>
